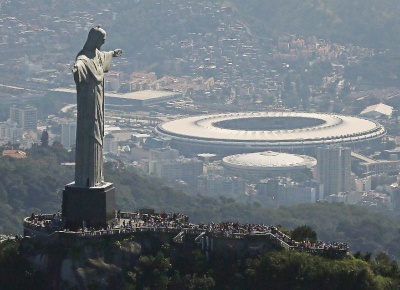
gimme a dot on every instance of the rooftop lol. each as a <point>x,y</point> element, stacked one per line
<point>139,95</point>
<point>273,128</point>
<point>18,154</point>
<point>269,160</point>
<point>379,108</point>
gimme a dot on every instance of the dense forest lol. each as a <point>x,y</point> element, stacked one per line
<point>31,185</point>
<point>35,185</point>
<point>169,267</point>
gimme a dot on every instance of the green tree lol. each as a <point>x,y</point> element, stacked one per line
<point>299,270</point>
<point>152,272</point>
<point>44,139</point>
<point>304,233</point>
<point>16,272</point>
<point>383,265</point>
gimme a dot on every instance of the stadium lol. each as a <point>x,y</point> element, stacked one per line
<point>259,165</point>
<point>234,133</point>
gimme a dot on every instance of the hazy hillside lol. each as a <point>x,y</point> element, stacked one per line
<point>34,185</point>
<point>372,23</point>
<point>176,37</point>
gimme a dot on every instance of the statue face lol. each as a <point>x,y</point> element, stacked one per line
<point>96,38</point>
<point>101,40</point>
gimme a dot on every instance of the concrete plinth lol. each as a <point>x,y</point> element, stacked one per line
<point>91,206</point>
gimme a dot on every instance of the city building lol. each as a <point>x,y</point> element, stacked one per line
<point>154,143</point>
<point>377,111</point>
<point>393,154</point>
<point>368,166</point>
<point>221,185</point>
<point>334,169</point>
<point>351,197</point>
<point>285,192</point>
<point>68,135</point>
<point>206,157</point>
<point>10,131</point>
<point>268,187</point>
<point>163,154</point>
<point>214,168</point>
<point>16,154</point>
<point>292,193</point>
<point>395,196</point>
<point>363,184</point>
<point>186,169</point>
<point>110,144</point>
<point>381,180</point>
<point>25,116</point>
<point>127,101</point>
<point>112,82</point>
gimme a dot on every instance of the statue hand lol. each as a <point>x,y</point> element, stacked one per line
<point>117,52</point>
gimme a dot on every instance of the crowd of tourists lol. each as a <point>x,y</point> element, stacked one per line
<point>177,222</point>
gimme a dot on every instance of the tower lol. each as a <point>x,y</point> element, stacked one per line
<point>68,134</point>
<point>334,169</point>
<point>24,116</point>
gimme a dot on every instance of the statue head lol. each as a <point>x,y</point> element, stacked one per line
<point>96,38</point>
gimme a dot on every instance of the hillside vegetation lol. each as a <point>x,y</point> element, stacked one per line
<point>169,266</point>
<point>35,185</point>
<point>370,23</point>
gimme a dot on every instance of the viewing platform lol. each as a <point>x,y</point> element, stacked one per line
<point>175,228</point>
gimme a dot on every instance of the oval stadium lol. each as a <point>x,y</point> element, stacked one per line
<point>262,131</point>
<point>259,165</point>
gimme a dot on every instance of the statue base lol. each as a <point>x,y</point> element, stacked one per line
<point>88,206</point>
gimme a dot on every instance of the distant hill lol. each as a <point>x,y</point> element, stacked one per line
<point>370,23</point>
<point>159,35</point>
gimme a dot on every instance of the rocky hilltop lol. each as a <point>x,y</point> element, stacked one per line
<point>82,263</point>
<point>112,256</point>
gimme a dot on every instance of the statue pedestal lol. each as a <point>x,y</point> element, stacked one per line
<point>90,206</point>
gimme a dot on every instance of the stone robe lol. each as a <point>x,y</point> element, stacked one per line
<point>88,71</point>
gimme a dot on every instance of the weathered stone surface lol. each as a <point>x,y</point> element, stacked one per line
<point>82,263</point>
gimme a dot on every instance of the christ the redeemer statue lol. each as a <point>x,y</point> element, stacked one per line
<point>89,201</point>
<point>88,70</point>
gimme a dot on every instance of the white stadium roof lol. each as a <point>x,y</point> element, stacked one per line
<point>137,95</point>
<point>378,108</point>
<point>306,129</point>
<point>269,160</point>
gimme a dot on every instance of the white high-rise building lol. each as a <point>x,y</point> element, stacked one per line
<point>163,154</point>
<point>187,169</point>
<point>334,169</point>
<point>68,135</point>
<point>221,185</point>
<point>25,116</point>
<point>110,144</point>
<point>10,131</point>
